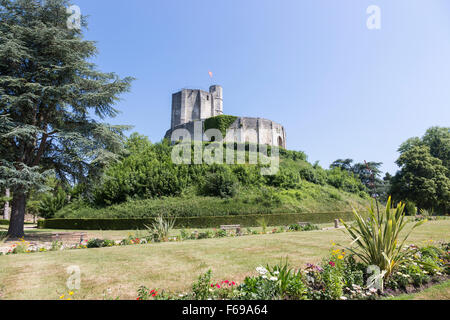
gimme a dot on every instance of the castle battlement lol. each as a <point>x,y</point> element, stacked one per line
<point>191,106</point>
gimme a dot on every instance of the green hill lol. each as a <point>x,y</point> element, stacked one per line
<point>145,183</point>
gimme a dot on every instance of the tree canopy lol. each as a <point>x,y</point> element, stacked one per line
<point>49,94</point>
<point>424,175</point>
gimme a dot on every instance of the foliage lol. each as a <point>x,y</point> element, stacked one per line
<point>262,222</point>
<point>146,171</point>
<point>410,208</point>
<point>221,123</point>
<point>160,229</point>
<point>343,180</point>
<point>95,243</point>
<point>220,182</point>
<point>307,227</point>
<point>377,237</point>
<point>368,173</point>
<point>424,175</point>
<point>245,220</point>
<point>200,289</point>
<point>268,198</point>
<point>50,204</point>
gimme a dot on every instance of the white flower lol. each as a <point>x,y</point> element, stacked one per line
<point>273,278</point>
<point>276,272</point>
<point>261,270</point>
<point>343,298</point>
<point>264,277</point>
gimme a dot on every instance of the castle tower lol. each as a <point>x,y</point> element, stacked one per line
<point>217,100</point>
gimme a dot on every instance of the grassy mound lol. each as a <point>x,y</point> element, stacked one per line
<point>306,199</point>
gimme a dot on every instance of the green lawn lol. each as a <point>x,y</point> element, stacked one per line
<point>437,292</point>
<point>170,265</point>
<point>121,234</point>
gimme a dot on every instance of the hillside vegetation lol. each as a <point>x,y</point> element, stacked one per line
<point>146,183</point>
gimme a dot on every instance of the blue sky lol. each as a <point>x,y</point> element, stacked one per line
<point>340,89</point>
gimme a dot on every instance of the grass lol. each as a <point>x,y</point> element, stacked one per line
<point>171,266</point>
<point>121,234</point>
<point>308,198</point>
<point>437,292</point>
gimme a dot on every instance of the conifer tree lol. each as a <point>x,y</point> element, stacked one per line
<point>49,92</point>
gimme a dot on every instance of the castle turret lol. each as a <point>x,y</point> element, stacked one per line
<point>217,100</point>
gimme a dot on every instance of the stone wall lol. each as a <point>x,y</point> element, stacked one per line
<point>253,130</point>
<point>192,104</point>
<point>191,107</point>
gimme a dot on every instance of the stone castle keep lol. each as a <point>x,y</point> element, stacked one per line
<point>191,107</point>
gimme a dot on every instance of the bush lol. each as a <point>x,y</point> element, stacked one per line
<point>160,229</point>
<point>192,222</point>
<point>410,208</point>
<point>344,180</point>
<point>221,182</point>
<point>95,243</point>
<point>376,237</point>
<point>50,204</point>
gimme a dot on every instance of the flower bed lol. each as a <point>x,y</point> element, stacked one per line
<point>23,246</point>
<point>338,277</point>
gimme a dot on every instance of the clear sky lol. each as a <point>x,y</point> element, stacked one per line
<point>340,89</point>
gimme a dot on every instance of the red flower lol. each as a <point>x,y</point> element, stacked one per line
<point>332,263</point>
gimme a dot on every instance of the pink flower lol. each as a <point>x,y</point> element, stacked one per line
<point>332,263</point>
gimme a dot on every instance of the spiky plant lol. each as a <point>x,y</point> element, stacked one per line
<point>376,237</point>
<point>160,229</point>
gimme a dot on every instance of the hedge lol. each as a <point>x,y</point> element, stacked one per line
<point>4,222</point>
<point>194,222</point>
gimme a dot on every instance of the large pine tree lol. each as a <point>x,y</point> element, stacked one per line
<point>49,92</point>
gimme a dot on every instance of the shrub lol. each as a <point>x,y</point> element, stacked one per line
<point>344,180</point>
<point>200,289</point>
<point>258,288</point>
<point>268,198</point>
<point>220,183</point>
<point>160,229</point>
<point>50,204</point>
<point>95,243</point>
<point>221,122</point>
<point>250,220</point>
<point>285,179</point>
<point>410,208</point>
<point>377,237</point>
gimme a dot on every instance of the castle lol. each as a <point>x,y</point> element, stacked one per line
<point>191,107</point>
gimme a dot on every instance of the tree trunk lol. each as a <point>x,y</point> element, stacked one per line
<point>16,224</point>
<point>7,209</point>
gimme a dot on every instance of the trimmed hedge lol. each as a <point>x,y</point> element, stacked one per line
<point>194,222</point>
<point>4,222</point>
